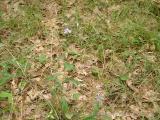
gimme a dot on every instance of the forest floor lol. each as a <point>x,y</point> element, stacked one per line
<point>79,60</point>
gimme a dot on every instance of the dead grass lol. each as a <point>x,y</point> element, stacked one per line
<point>85,60</point>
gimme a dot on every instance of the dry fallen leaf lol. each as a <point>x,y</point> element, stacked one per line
<point>129,84</point>
<point>82,98</point>
<point>33,94</point>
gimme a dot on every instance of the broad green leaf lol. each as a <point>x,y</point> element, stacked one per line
<point>4,77</point>
<point>76,96</point>
<point>73,53</point>
<point>95,71</point>
<point>124,77</point>
<point>90,118</point>
<point>64,105</point>
<point>69,67</point>
<point>5,94</point>
<point>53,77</point>
<point>96,109</point>
<point>136,41</point>
<point>42,58</point>
<point>72,80</point>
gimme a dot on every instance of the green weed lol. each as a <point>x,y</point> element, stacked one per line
<point>129,29</point>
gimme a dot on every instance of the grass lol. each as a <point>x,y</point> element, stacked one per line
<point>114,43</point>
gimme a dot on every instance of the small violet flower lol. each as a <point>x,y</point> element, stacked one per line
<point>67,31</point>
<point>99,98</point>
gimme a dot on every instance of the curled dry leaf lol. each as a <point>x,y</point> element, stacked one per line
<point>82,98</point>
<point>129,84</point>
<point>82,69</point>
<point>47,96</point>
<point>14,86</point>
<point>33,94</point>
<point>135,109</point>
<point>150,57</point>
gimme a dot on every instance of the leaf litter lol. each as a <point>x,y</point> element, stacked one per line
<point>83,89</point>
